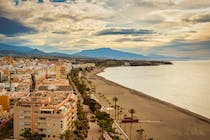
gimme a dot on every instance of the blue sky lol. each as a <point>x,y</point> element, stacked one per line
<point>167,27</point>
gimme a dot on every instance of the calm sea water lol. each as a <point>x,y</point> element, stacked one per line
<point>185,83</point>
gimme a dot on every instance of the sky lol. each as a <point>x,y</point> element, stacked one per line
<point>163,27</point>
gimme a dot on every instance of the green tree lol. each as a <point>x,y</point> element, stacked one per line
<point>67,135</point>
<point>102,124</point>
<point>81,123</point>
<point>104,118</point>
<point>115,99</point>
<point>36,136</point>
<point>27,134</point>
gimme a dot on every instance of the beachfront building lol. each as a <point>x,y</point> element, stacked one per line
<point>84,65</point>
<point>48,113</point>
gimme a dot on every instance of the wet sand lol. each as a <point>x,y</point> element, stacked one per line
<point>160,120</point>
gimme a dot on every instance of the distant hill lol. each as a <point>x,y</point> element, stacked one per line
<point>108,53</point>
<point>58,54</point>
<point>21,49</point>
<point>101,53</point>
<point>10,50</point>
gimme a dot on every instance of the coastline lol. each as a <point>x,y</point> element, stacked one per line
<point>141,94</point>
<point>200,123</point>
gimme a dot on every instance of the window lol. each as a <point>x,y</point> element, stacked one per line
<point>25,112</point>
<point>45,112</point>
<point>43,135</point>
<point>42,129</point>
<point>21,117</point>
<point>27,129</point>
<point>27,124</point>
<point>36,112</point>
<point>42,118</point>
<point>27,117</point>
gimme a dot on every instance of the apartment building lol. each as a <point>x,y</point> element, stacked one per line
<point>60,72</point>
<point>48,113</point>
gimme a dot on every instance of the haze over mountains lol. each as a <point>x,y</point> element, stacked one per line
<point>103,53</point>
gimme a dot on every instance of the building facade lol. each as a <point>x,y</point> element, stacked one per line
<point>48,114</point>
<point>4,102</point>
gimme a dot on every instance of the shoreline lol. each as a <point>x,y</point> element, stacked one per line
<point>141,94</point>
<point>154,114</point>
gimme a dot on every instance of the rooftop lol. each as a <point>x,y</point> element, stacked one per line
<point>47,100</point>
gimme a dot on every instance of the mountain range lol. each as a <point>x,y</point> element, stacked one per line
<point>102,53</point>
<point>10,50</point>
<point>108,53</point>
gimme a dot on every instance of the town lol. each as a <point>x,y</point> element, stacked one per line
<point>54,98</point>
<point>36,95</point>
<point>63,98</point>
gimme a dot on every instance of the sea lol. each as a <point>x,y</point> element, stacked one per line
<point>185,83</point>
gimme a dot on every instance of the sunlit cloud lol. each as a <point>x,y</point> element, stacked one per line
<point>141,26</point>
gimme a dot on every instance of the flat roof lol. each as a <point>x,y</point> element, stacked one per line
<point>59,88</point>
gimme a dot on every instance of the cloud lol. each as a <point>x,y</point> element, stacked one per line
<point>130,40</point>
<point>198,18</point>
<point>183,48</point>
<point>125,32</point>
<point>155,3</point>
<point>193,4</point>
<point>120,24</point>
<point>60,32</point>
<point>41,16</point>
<point>13,28</point>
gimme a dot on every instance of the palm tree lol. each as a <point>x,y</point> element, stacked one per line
<point>120,113</point>
<point>115,99</point>
<point>131,111</point>
<point>140,133</point>
<point>118,110</point>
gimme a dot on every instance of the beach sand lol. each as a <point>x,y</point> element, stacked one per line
<point>160,121</point>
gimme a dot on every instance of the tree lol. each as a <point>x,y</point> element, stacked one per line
<point>81,123</point>
<point>131,111</point>
<point>36,136</point>
<point>93,104</point>
<point>115,99</point>
<point>27,134</point>
<point>102,124</point>
<point>67,135</point>
<point>120,113</point>
<point>104,120</point>
<point>140,132</point>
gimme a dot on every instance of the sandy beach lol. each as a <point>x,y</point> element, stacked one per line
<point>160,121</point>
